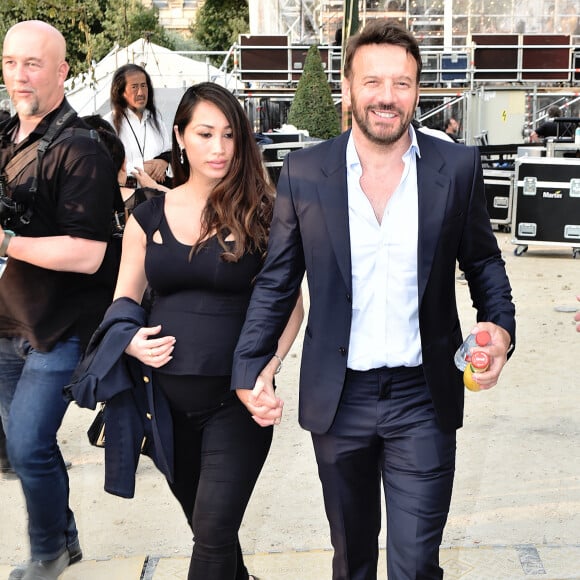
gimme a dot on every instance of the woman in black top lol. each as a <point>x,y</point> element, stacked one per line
<point>200,247</point>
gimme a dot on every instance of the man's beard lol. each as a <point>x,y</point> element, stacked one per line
<point>27,108</point>
<point>381,137</point>
<point>139,108</point>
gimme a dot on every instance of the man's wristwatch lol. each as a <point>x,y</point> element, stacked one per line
<point>8,235</point>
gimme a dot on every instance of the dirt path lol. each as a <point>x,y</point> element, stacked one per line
<point>518,479</point>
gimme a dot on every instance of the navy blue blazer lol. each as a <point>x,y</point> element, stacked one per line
<point>310,234</point>
<point>135,410</point>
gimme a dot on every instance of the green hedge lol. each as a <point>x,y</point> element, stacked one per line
<point>312,108</point>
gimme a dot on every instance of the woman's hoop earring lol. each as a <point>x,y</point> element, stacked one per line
<point>181,156</point>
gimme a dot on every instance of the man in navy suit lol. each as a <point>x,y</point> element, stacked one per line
<point>377,219</point>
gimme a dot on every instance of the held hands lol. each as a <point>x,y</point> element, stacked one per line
<point>577,316</point>
<point>261,401</point>
<point>497,351</point>
<point>154,352</point>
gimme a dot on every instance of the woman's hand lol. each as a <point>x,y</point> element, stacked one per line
<point>154,352</point>
<point>145,180</point>
<point>262,403</point>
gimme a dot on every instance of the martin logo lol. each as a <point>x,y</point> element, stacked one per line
<point>552,194</point>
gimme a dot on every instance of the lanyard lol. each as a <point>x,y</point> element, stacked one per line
<point>142,151</point>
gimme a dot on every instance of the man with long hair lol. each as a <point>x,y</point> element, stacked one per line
<point>138,122</point>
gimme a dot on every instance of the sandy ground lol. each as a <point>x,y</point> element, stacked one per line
<point>518,480</point>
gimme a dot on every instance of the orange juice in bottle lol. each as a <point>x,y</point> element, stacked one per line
<point>478,364</point>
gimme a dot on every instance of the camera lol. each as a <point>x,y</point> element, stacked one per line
<point>12,213</point>
<point>131,182</point>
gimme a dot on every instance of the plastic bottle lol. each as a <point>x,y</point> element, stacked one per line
<point>463,354</point>
<point>479,363</point>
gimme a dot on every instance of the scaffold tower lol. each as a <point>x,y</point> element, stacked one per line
<point>305,21</point>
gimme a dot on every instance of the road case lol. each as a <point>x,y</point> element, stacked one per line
<point>273,155</point>
<point>547,203</point>
<point>499,187</point>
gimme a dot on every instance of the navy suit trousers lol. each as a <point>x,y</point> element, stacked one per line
<point>385,429</point>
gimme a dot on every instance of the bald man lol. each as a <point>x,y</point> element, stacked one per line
<point>56,282</point>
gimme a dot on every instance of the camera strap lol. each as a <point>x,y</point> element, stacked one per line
<point>37,149</point>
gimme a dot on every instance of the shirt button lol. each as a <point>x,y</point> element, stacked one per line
<point>342,351</point>
<point>348,298</point>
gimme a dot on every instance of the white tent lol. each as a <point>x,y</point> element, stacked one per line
<point>171,74</point>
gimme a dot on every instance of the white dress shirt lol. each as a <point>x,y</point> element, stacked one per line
<point>141,139</point>
<point>385,307</point>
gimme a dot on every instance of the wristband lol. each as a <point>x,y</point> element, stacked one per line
<point>8,235</point>
<point>280,365</point>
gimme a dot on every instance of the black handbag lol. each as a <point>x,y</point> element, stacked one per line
<point>96,430</point>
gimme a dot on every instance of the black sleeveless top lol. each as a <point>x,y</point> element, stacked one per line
<point>201,301</point>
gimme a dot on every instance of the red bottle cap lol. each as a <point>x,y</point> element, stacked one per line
<point>479,360</point>
<point>482,338</point>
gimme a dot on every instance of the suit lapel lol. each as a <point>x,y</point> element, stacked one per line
<point>333,196</point>
<point>433,190</point>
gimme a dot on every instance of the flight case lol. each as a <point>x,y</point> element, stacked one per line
<point>547,203</point>
<point>499,186</point>
<point>273,155</point>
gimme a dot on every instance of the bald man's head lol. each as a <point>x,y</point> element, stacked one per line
<point>54,39</point>
<point>34,68</point>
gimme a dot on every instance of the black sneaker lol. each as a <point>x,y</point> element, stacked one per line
<point>75,555</point>
<point>6,471</point>
<point>42,569</point>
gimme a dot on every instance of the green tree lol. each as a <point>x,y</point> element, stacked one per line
<point>75,19</point>
<point>129,22</point>
<point>91,27</point>
<point>312,108</point>
<point>218,24</point>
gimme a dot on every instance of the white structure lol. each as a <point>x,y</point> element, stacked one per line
<point>171,74</point>
<point>175,15</point>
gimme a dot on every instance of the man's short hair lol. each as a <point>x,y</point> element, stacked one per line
<point>382,31</point>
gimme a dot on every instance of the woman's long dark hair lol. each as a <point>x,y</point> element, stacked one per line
<point>241,203</point>
<point>118,102</point>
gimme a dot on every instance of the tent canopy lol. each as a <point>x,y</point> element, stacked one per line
<point>171,74</point>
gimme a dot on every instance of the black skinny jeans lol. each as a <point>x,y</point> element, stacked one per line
<point>219,453</point>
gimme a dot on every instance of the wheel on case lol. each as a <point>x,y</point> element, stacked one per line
<point>575,252</point>
<point>520,250</point>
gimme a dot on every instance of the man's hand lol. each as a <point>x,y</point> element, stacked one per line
<point>497,351</point>
<point>261,402</point>
<point>156,168</point>
<point>577,316</point>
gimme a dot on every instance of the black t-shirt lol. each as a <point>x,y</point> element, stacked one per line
<point>547,129</point>
<point>76,187</point>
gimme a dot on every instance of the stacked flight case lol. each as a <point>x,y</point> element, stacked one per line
<point>498,164</point>
<point>273,155</point>
<point>547,203</point>
<point>499,186</point>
